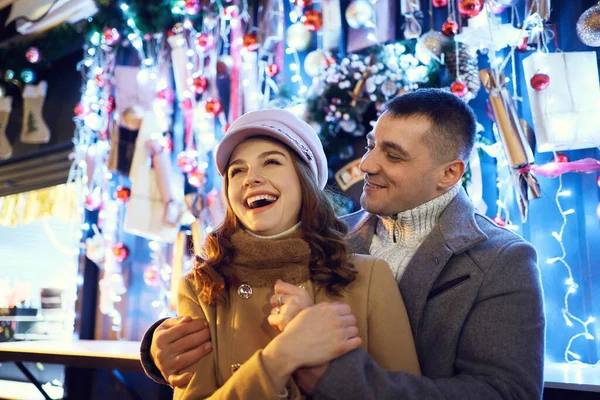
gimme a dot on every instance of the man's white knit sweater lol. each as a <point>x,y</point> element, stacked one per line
<point>397,238</point>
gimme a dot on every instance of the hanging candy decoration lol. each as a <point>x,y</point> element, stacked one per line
<point>272,70</point>
<point>588,26</point>
<point>121,252</point>
<point>152,276</point>
<point>470,8</point>
<point>513,138</point>
<point>214,107</point>
<point>205,41</point>
<point>450,28</point>
<point>33,55</point>
<point>251,42</point>
<point>359,13</point>
<point>539,81</point>
<point>313,20</point>
<point>200,84</point>
<point>440,3</point>
<point>192,7</point>
<point>187,161</point>
<point>298,37</point>
<point>27,76</point>
<point>459,88</point>
<point>110,36</point>
<point>122,194</point>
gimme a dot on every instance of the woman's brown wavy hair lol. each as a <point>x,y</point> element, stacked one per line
<point>323,231</point>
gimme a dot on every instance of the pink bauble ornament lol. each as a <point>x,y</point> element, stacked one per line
<point>152,276</point>
<point>439,3</point>
<point>122,194</point>
<point>205,41</point>
<point>499,221</point>
<point>539,81</point>
<point>459,88</point>
<point>33,55</point>
<point>214,107</point>
<point>111,36</point>
<point>192,7</point>
<point>470,8</point>
<point>121,252</point>
<point>200,84</point>
<point>187,161</point>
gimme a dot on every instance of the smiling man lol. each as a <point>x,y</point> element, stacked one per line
<point>472,289</point>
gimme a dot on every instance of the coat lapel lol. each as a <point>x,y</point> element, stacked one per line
<point>455,232</point>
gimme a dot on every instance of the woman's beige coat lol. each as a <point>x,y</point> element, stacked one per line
<point>239,329</point>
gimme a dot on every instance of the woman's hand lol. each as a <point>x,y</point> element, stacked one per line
<point>287,302</point>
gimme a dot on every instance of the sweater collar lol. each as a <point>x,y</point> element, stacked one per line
<point>417,221</point>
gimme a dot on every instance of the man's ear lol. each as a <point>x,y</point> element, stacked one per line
<point>451,173</point>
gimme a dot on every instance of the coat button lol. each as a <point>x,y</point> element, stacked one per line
<point>244,291</point>
<point>235,367</point>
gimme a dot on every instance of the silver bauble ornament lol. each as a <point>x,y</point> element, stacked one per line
<point>315,63</point>
<point>588,26</point>
<point>359,13</point>
<point>430,46</point>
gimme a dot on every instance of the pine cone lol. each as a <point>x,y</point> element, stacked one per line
<point>468,67</point>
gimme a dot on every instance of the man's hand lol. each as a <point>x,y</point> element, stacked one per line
<point>178,343</point>
<point>317,335</point>
<point>287,302</point>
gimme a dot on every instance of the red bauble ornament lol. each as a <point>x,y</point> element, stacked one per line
<point>187,161</point>
<point>205,41</point>
<point>192,7</point>
<point>440,3</point>
<point>470,8</point>
<point>152,276</point>
<point>251,41</point>
<point>110,104</point>
<point>540,81</point>
<point>459,88</point>
<point>121,252</point>
<point>122,193</point>
<point>214,107</point>
<point>450,28</point>
<point>313,20</point>
<point>80,110</point>
<point>200,84</point>
<point>272,70</point>
<point>111,36</point>
<point>33,55</point>
<point>303,3</point>
<point>499,221</point>
<point>560,158</point>
<point>196,178</point>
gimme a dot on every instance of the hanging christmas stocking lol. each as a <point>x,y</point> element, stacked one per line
<point>34,130</point>
<point>5,109</point>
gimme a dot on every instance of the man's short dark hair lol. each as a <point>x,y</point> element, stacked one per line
<point>453,124</point>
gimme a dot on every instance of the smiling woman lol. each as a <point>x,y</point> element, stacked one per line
<point>280,234</point>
